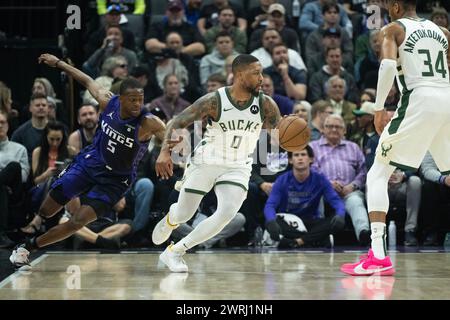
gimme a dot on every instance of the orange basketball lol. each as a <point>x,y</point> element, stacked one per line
<point>294,133</point>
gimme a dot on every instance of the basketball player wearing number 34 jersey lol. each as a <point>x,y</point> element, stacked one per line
<point>416,51</point>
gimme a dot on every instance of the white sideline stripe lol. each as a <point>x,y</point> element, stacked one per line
<point>17,273</point>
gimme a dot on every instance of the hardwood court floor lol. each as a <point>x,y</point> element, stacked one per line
<point>224,275</point>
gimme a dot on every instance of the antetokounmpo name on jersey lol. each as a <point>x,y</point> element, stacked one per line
<point>117,136</point>
<point>421,33</point>
<point>240,125</point>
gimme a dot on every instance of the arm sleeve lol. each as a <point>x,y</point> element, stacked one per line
<point>386,74</point>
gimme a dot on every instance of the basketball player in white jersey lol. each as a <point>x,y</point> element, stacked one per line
<point>414,50</point>
<point>221,160</point>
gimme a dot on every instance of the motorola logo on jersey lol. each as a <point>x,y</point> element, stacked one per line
<point>254,109</point>
<point>117,136</point>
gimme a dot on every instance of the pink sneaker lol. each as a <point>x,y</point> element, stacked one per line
<point>368,266</point>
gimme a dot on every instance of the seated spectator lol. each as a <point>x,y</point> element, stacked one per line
<point>330,26</point>
<point>435,200</point>
<point>311,18</point>
<point>174,21</point>
<point>170,102</point>
<point>343,163</point>
<point>365,127</point>
<point>333,67</point>
<point>269,162</point>
<point>404,186</point>
<point>335,88</point>
<point>298,192</point>
<point>172,60</point>
<point>113,68</point>
<point>368,95</point>
<point>285,105</point>
<point>48,160</point>
<point>303,110</point>
<point>277,21</point>
<point>209,15</point>
<point>215,81</point>
<point>440,17</point>
<point>331,38</point>
<point>111,18</point>
<point>111,47</point>
<point>288,81</point>
<point>105,232</point>
<point>215,61</point>
<point>226,23</point>
<point>206,208</point>
<point>269,38</point>
<point>14,172</point>
<point>321,109</point>
<point>258,16</point>
<point>366,68</point>
<point>88,122</point>
<point>30,133</point>
<point>6,107</point>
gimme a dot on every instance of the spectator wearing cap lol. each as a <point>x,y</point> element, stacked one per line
<point>112,47</point>
<point>365,126</point>
<point>311,18</point>
<point>209,15</point>
<point>112,18</point>
<point>288,81</point>
<point>269,38</point>
<point>330,11</point>
<point>136,7</point>
<point>331,38</point>
<point>226,23</point>
<point>174,21</point>
<point>215,61</point>
<point>277,20</point>
<point>333,67</point>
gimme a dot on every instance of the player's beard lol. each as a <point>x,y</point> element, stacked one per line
<point>253,90</point>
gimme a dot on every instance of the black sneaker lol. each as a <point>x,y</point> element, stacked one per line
<point>410,239</point>
<point>286,243</point>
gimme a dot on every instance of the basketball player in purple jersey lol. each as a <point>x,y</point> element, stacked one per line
<point>103,171</point>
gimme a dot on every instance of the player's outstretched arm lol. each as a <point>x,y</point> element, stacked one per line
<point>206,106</point>
<point>100,94</point>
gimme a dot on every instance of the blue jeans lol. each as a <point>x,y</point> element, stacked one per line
<point>143,191</point>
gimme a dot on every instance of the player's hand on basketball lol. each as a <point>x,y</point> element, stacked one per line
<point>48,59</point>
<point>273,228</point>
<point>164,165</point>
<point>380,121</point>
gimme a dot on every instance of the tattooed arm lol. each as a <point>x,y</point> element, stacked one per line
<point>203,107</point>
<point>271,113</point>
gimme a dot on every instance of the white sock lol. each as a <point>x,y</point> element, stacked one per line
<point>378,239</point>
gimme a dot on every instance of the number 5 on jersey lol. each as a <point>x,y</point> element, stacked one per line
<point>111,146</point>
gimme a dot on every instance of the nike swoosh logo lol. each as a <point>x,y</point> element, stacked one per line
<point>360,270</point>
<point>227,109</point>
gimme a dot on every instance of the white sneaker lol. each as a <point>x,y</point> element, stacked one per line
<point>173,260</point>
<point>19,257</point>
<point>162,230</point>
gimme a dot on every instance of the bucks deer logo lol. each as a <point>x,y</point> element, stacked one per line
<point>385,149</point>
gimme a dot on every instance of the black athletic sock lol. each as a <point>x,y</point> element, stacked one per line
<point>31,244</point>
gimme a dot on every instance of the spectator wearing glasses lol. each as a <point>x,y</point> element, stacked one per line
<point>343,163</point>
<point>112,46</point>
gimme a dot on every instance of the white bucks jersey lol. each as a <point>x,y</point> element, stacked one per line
<point>422,55</point>
<point>231,139</point>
